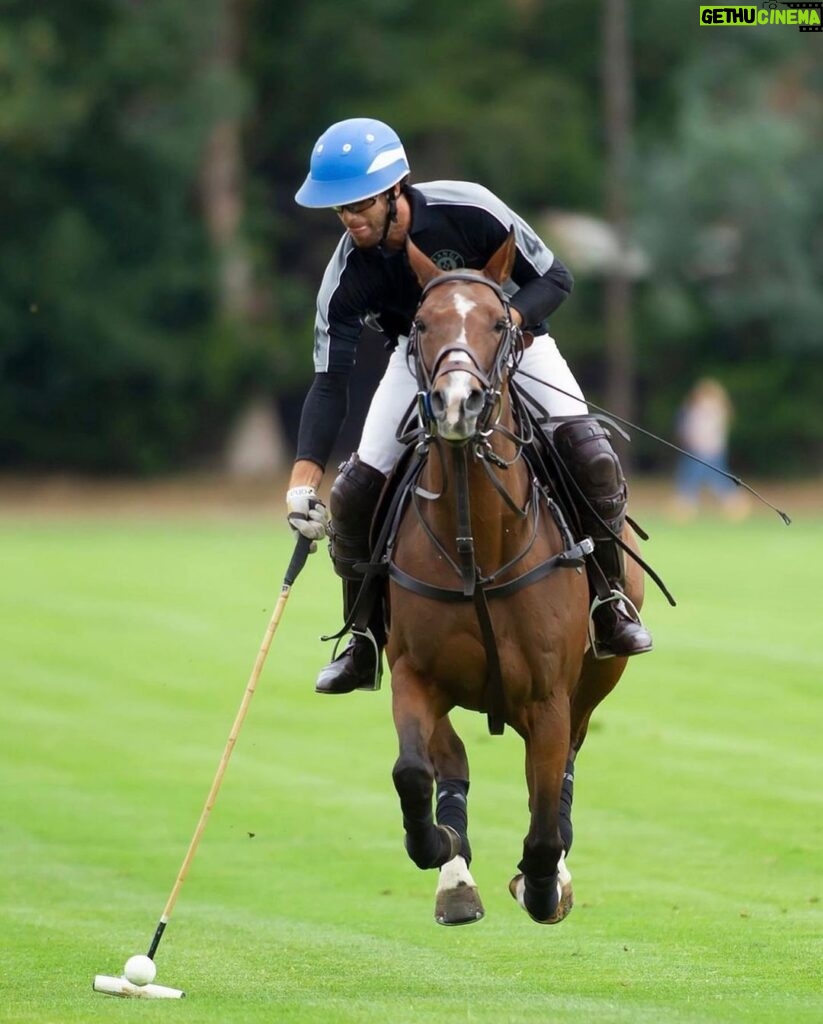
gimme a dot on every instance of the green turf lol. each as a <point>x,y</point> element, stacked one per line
<point>697,861</point>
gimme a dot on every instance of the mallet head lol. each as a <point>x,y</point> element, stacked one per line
<point>125,990</point>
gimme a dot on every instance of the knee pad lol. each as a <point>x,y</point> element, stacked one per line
<point>352,502</point>
<point>584,446</point>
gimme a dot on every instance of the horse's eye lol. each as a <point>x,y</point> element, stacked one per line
<point>419,326</point>
<point>501,325</point>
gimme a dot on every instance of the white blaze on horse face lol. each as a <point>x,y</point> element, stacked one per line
<point>463,306</point>
<point>455,420</point>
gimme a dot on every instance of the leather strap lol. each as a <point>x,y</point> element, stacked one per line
<point>573,558</point>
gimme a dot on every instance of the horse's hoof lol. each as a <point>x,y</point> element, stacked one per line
<point>459,906</point>
<point>458,901</point>
<point>565,895</point>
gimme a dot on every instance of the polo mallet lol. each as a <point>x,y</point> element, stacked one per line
<point>142,967</point>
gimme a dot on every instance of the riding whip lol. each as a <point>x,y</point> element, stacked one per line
<point>654,437</point>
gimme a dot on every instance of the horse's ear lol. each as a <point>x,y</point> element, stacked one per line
<point>424,269</point>
<point>499,267</point>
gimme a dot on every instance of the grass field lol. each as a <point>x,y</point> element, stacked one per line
<point>126,647</point>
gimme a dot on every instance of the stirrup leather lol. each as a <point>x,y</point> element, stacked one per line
<point>598,602</point>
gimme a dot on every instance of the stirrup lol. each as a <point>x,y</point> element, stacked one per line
<point>365,634</point>
<point>598,602</point>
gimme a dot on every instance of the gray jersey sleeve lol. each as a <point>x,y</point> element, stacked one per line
<point>338,322</point>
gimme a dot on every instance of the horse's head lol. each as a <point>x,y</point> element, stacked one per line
<point>462,341</point>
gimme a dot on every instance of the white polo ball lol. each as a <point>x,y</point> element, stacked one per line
<point>140,970</point>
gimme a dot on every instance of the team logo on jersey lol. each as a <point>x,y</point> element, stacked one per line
<point>448,259</point>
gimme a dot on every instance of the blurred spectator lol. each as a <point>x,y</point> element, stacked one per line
<point>703,425</point>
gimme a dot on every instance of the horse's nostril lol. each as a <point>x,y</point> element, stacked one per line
<point>438,403</point>
<point>474,403</point>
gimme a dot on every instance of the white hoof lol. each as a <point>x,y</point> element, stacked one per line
<point>457,899</point>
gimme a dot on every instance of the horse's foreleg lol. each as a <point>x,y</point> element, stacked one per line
<point>457,901</point>
<point>544,888</point>
<point>415,719</point>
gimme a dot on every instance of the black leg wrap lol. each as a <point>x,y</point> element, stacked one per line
<point>427,846</point>
<point>540,894</point>
<point>539,856</point>
<point>541,897</point>
<point>566,797</point>
<point>452,809</point>
<point>414,787</point>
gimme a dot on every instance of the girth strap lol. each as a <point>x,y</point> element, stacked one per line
<point>573,558</point>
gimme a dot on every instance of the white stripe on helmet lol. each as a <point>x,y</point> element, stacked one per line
<point>387,157</point>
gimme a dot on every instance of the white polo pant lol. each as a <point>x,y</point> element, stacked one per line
<point>378,445</point>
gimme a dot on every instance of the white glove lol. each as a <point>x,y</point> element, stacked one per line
<point>307,514</point>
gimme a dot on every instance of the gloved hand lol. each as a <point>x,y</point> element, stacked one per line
<point>307,514</point>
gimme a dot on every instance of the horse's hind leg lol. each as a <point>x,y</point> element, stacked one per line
<point>415,718</point>
<point>457,900</point>
<point>544,887</point>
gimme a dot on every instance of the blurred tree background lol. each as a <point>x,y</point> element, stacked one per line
<point>156,276</point>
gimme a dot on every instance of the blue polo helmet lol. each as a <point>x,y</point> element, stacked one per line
<point>353,160</point>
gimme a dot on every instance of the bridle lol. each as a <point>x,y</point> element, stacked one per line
<point>508,354</point>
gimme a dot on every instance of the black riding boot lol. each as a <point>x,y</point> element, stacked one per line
<point>353,500</point>
<point>360,665</point>
<point>586,450</point>
<point>618,629</point>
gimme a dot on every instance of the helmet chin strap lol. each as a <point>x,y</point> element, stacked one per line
<point>391,216</point>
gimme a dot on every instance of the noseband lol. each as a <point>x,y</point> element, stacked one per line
<point>508,352</point>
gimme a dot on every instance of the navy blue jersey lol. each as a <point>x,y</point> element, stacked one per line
<point>458,225</point>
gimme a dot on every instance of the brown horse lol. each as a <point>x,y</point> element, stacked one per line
<point>489,602</point>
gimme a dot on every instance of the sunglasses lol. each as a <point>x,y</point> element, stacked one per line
<point>358,207</point>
